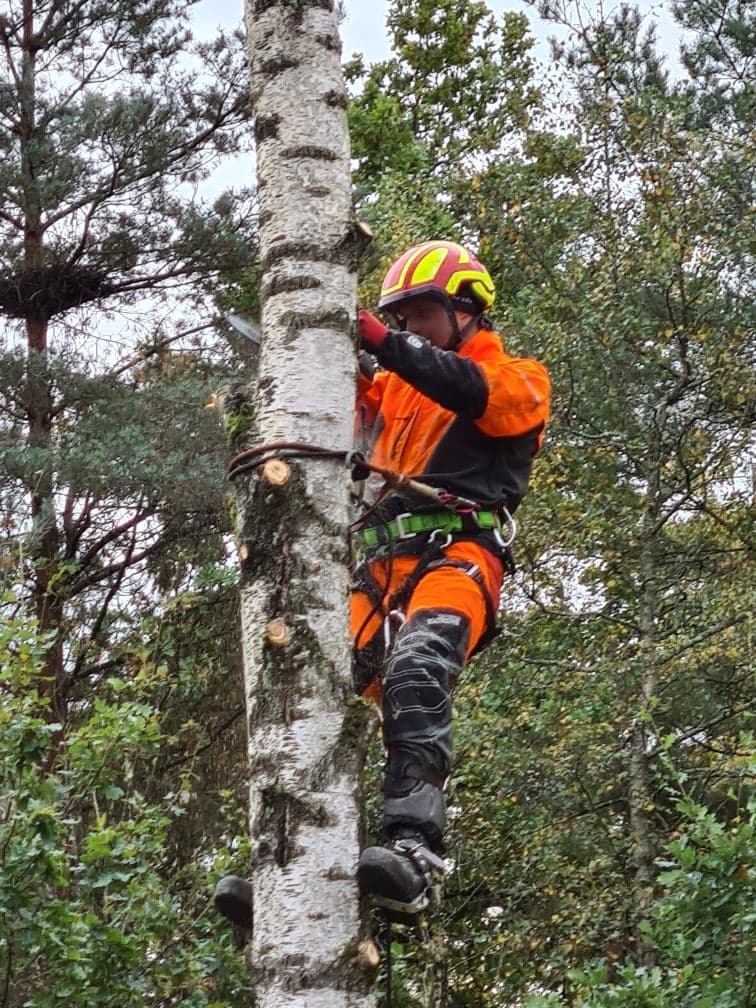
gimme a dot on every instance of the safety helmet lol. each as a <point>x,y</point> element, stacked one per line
<point>440,269</point>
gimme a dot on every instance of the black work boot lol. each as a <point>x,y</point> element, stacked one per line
<point>398,876</point>
<point>233,899</point>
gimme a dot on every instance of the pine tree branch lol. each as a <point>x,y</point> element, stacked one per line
<point>106,572</point>
<point>97,547</point>
<point>212,739</point>
<point>148,352</point>
<point>15,222</point>
<point>80,525</point>
<point>7,31</point>
<point>176,157</point>
<point>105,606</point>
<point>81,83</point>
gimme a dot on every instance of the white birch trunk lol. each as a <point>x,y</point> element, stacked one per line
<point>305,730</point>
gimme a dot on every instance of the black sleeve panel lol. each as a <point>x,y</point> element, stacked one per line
<point>454,382</point>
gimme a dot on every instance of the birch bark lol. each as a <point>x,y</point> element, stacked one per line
<point>305,731</point>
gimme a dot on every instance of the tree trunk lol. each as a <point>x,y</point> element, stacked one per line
<point>38,395</point>
<point>305,731</point>
<point>640,792</point>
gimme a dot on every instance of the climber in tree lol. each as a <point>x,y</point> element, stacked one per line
<point>450,408</point>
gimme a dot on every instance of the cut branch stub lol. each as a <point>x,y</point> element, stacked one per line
<point>278,632</point>
<point>368,955</point>
<point>275,472</point>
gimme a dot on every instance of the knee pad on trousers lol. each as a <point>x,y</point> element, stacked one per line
<point>422,808</point>
<point>427,655</point>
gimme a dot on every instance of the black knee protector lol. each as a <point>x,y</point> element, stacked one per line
<point>421,808</point>
<point>417,713</point>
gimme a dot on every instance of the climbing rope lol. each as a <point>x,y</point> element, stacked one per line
<point>253,458</point>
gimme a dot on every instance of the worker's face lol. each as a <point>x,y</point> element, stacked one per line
<point>428,318</point>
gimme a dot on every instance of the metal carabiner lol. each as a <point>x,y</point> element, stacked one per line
<point>393,619</point>
<point>511,525</point>
<point>436,532</point>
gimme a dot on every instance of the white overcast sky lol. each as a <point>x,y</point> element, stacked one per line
<point>364,29</point>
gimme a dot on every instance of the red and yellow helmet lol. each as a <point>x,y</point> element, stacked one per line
<point>439,269</point>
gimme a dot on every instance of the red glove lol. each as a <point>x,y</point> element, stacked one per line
<point>372,331</point>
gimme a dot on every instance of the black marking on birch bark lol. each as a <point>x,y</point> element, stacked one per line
<point>293,972</point>
<point>350,245</point>
<point>296,321</point>
<point>330,42</point>
<point>336,99</point>
<point>279,285</point>
<point>283,813</point>
<point>301,251</point>
<point>266,128</point>
<point>277,65</point>
<point>265,388</point>
<point>294,8</point>
<point>351,249</point>
<point>311,152</point>
<point>293,11</point>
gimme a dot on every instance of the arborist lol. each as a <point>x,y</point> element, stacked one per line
<point>451,409</point>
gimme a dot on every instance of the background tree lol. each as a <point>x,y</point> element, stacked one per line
<point>607,721</point>
<point>118,695</point>
<point>106,118</point>
<point>456,92</point>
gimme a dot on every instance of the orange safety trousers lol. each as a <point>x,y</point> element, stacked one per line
<point>412,670</point>
<point>446,588</point>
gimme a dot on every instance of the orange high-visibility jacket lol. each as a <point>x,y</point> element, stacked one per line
<point>468,422</point>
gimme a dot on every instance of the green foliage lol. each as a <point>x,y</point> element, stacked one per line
<point>604,727</point>
<point>92,909</point>
<point>424,122</point>
<point>701,924</point>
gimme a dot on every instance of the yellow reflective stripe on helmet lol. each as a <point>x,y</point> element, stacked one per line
<point>429,265</point>
<point>472,277</point>
<point>411,260</point>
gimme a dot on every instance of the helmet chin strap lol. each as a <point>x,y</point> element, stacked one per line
<point>460,335</point>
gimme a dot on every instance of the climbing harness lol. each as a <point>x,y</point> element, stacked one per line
<point>458,514</point>
<point>409,524</point>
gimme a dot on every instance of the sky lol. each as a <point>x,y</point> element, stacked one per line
<point>364,29</point>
